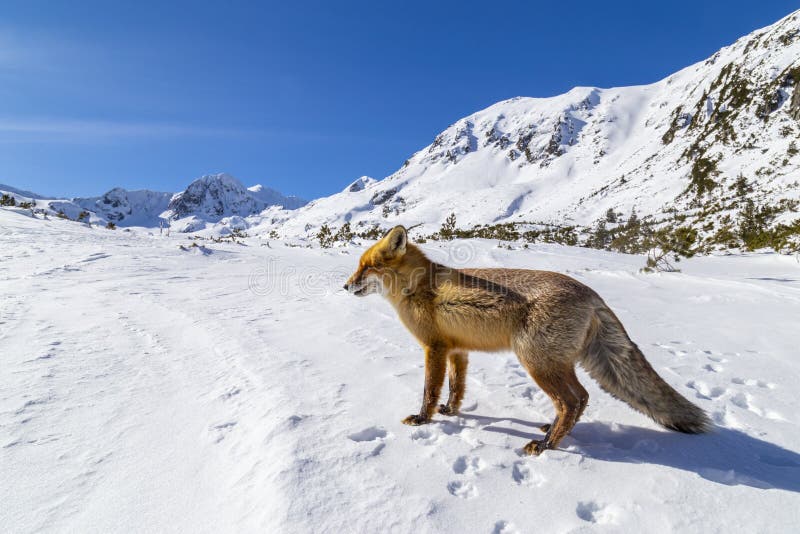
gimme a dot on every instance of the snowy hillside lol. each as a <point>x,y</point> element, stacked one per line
<point>271,197</point>
<point>674,145</point>
<point>146,387</point>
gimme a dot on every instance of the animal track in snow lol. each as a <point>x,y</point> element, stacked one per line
<point>713,367</point>
<point>372,433</point>
<point>504,527</point>
<point>448,427</point>
<point>221,430</point>
<point>463,489</point>
<point>593,512</point>
<point>424,436</point>
<point>752,382</point>
<point>704,391</point>
<point>668,346</point>
<point>524,476</point>
<point>468,466</point>
<point>230,393</point>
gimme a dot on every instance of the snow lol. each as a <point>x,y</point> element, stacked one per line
<point>360,184</point>
<point>271,197</point>
<point>144,387</point>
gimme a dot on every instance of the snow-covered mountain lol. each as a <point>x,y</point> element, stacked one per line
<point>127,208</point>
<point>212,197</point>
<point>216,199</point>
<point>569,158</point>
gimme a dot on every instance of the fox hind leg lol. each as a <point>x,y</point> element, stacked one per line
<point>569,399</point>
<point>457,378</point>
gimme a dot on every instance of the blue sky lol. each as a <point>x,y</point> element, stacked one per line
<point>305,96</point>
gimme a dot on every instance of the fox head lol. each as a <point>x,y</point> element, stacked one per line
<point>386,267</point>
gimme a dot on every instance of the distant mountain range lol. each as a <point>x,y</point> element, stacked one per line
<point>698,147</point>
<point>210,199</point>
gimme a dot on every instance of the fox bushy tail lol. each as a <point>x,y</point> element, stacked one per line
<point>622,370</point>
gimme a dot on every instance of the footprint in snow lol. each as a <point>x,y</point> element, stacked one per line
<point>504,527</point>
<point>704,391</point>
<point>524,476</point>
<point>745,401</point>
<point>221,430</point>
<point>751,382</point>
<point>424,436</point>
<point>597,513</point>
<point>372,433</point>
<point>230,393</point>
<point>468,466</point>
<point>463,489</point>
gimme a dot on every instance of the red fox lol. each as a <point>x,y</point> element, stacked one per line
<point>551,321</point>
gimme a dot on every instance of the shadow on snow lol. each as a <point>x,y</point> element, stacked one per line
<point>724,456</point>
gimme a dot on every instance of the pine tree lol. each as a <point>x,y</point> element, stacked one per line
<point>448,229</point>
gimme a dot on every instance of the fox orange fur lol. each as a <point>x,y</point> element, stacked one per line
<point>551,321</point>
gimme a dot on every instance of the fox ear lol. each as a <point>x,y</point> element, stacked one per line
<point>396,241</point>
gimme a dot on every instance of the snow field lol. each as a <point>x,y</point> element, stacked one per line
<point>146,388</point>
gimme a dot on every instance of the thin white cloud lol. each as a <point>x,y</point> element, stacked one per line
<point>38,130</point>
<point>27,130</point>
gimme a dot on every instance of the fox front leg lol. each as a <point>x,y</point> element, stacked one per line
<point>435,368</point>
<point>457,372</point>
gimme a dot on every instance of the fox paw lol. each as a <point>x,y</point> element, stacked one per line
<point>415,420</point>
<point>535,448</point>
<point>444,409</point>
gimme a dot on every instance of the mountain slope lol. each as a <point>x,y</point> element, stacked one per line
<point>676,144</point>
<point>127,208</point>
<point>271,197</point>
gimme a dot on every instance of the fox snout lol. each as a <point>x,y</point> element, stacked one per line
<point>348,286</point>
<point>362,283</point>
<point>355,284</point>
